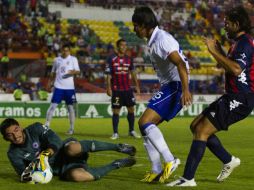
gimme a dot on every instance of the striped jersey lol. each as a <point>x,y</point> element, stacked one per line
<point>119,68</point>
<point>242,52</point>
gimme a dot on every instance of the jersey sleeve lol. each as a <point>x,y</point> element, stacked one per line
<point>48,138</point>
<point>244,54</point>
<point>108,66</point>
<point>17,163</point>
<point>54,67</point>
<point>166,47</point>
<point>75,64</point>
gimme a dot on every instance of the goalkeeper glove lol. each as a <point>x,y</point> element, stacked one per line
<point>44,159</point>
<point>26,175</point>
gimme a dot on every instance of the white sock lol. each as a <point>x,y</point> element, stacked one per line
<point>50,113</point>
<point>154,156</point>
<point>71,116</point>
<point>155,136</point>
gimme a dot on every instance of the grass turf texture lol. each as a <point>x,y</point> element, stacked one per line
<point>238,141</point>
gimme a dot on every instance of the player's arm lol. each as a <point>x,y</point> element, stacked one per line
<point>17,163</point>
<point>135,79</point>
<point>229,65</point>
<point>175,58</point>
<point>108,70</point>
<point>75,70</point>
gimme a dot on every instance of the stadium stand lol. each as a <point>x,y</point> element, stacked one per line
<point>31,36</point>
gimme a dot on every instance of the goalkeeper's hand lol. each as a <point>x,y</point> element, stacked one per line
<point>26,175</point>
<point>44,159</point>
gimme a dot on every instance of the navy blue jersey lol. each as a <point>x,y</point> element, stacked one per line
<point>242,52</point>
<point>38,138</point>
<point>119,68</point>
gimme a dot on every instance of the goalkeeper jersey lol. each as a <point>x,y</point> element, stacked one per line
<point>38,138</point>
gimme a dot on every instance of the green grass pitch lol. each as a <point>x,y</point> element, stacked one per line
<point>238,140</point>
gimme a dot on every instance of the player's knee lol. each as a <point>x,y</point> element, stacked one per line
<point>199,133</point>
<point>79,175</point>
<point>72,149</point>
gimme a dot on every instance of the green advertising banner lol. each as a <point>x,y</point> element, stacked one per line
<point>83,110</point>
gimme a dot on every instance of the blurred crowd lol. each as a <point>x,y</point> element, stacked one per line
<point>23,28</point>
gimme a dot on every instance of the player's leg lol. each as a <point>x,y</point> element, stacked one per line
<point>129,101</point>
<point>131,121</point>
<point>164,105</point>
<point>70,100</point>
<point>203,129</point>
<point>116,107</point>
<point>56,99</point>
<point>76,148</point>
<point>79,175</point>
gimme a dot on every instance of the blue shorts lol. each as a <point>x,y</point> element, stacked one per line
<point>167,101</point>
<point>68,96</point>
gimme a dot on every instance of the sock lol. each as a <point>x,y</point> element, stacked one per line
<point>99,172</point>
<point>131,120</point>
<point>154,156</point>
<point>94,146</point>
<point>50,113</point>
<point>195,155</point>
<point>155,136</point>
<point>215,146</point>
<point>71,116</point>
<point>115,120</point>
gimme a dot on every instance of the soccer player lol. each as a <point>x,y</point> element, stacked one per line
<point>68,159</point>
<point>118,69</point>
<point>65,67</point>
<point>235,105</point>
<point>172,70</point>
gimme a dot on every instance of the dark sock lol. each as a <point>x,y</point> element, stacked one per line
<point>99,172</point>
<point>93,146</point>
<point>131,120</point>
<point>115,120</point>
<point>195,155</point>
<point>215,146</point>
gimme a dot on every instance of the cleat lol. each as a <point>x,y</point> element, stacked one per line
<point>228,168</point>
<point>114,136</point>
<point>70,132</point>
<point>182,182</point>
<point>169,168</point>
<point>151,177</point>
<point>127,149</point>
<point>134,134</point>
<point>125,162</point>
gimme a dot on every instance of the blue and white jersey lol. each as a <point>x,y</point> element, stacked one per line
<point>161,44</point>
<point>61,67</point>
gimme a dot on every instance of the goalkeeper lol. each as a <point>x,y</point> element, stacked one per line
<point>67,159</point>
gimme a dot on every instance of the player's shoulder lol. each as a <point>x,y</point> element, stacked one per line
<point>34,126</point>
<point>246,41</point>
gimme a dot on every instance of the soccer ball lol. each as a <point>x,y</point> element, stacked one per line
<point>43,177</point>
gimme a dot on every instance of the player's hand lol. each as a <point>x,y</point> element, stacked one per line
<point>186,98</point>
<point>109,92</point>
<point>44,159</point>
<point>26,175</point>
<point>211,44</point>
<point>137,90</point>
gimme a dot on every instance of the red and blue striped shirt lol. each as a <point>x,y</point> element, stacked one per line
<point>119,68</point>
<point>242,52</point>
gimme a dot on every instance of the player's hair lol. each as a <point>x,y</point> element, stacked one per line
<point>144,16</point>
<point>66,46</point>
<point>240,15</point>
<point>119,41</point>
<point>7,123</point>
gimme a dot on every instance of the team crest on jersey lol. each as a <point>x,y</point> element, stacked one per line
<point>35,145</point>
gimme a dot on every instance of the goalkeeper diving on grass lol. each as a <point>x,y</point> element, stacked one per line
<point>37,148</point>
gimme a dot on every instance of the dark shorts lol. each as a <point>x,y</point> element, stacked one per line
<point>167,101</point>
<point>62,164</point>
<point>229,109</point>
<point>68,96</point>
<point>122,98</point>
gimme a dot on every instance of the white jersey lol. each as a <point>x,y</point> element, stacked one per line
<point>160,45</point>
<point>61,67</point>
